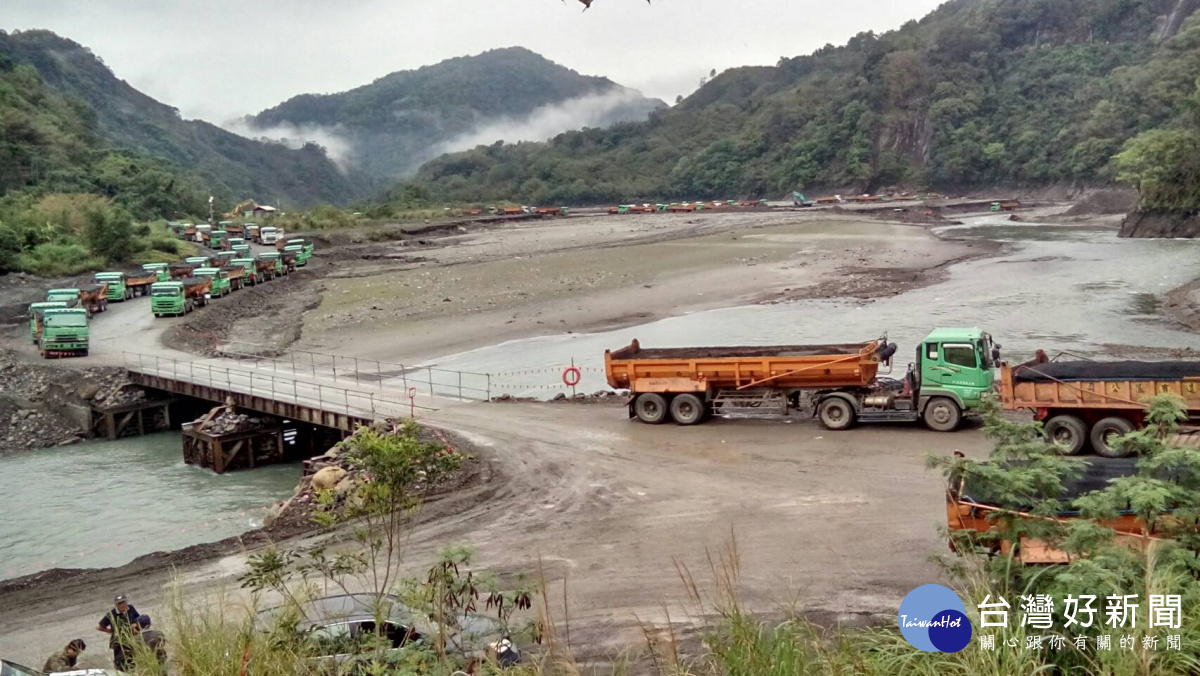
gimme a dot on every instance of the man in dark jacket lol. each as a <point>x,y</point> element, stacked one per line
<point>119,625</point>
<point>65,659</point>
<point>153,640</point>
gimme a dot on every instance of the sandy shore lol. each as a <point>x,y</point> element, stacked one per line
<point>596,273</point>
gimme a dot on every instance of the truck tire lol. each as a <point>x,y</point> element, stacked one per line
<point>651,408</point>
<point>1068,432</point>
<point>687,409</point>
<point>836,414</point>
<point>942,414</point>
<point>1103,434</point>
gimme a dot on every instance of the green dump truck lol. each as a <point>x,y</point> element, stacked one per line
<point>220,281</point>
<point>218,239</point>
<point>298,251</point>
<point>175,299</point>
<point>36,310</point>
<point>224,257</point>
<point>236,241</point>
<point>68,296</point>
<point>242,251</point>
<point>251,274</point>
<point>117,289</point>
<point>160,270</point>
<point>279,269</point>
<point>64,333</point>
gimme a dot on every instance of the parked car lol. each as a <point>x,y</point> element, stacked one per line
<point>338,625</point>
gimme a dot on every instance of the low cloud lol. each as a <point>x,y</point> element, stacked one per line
<point>337,145</point>
<point>593,110</point>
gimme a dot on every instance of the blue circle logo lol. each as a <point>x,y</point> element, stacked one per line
<point>933,618</point>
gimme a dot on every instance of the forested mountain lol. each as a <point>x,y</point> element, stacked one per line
<point>401,120</point>
<point>64,112</point>
<point>979,92</point>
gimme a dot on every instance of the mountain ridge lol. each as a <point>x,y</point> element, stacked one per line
<point>400,120</point>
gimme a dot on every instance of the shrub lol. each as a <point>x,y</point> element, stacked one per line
<point>57,260</point>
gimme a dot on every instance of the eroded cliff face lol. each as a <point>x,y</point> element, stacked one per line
<point>1159,224</point>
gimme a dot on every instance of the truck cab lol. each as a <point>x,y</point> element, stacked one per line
<point>277,260</point>
<point>220,281</point>
<point>298,250</point>
<point>251,275</point>
<point>269,234</point>
<point>68,296</point>
<point>953,366</point>
<point>202,261</point>
<point>36,311</point>
<point>117,290</point>
<point>252,233</point>
<point>203,233</point>
<point>64,333</point>
<point>166,298</point>
<point>159,269</point>
<point>218,239</point>
<point>236,241</point>
<point>242,250</point>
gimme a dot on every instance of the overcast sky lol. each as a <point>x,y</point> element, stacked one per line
<point>218,59</point>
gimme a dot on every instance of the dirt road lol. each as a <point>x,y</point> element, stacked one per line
<point>843,522</point>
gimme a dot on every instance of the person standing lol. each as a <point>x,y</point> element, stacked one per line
<point>118,623</point>
<point>65,659</point>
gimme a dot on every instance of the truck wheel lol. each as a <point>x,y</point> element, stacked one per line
<point>687,409</point>
<point>836,414</point>
<point>1104,434</point>
<point>1068,432</point>
<point>942,414</point>
<point>651,408</point>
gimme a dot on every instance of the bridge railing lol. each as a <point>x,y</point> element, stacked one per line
<point>423,380</point>
<point>255,382</point>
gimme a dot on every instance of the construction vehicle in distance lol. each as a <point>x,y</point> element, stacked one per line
<point>235,241</point>
<point>252,233</point>
<point>218,240</point>
<point>838,383</point>
<point>269,235</point>
<point>64,333</point>
<point>289,259</point>
<point>203,234</point>
<point>242,251</point>
<point>117,290</point>
<point>175,299</point>
<point>221,286</point>
<point>244,208</point>
<point>800,200</point>
<point>161,273</point>
<point>1091,403</point>
<point>278,267</point>
<point>36,310</point>
<point>235,230</point>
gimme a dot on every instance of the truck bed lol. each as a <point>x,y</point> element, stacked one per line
<point>1082,371</point>
<point>710,369</point>
<point>637,352</point>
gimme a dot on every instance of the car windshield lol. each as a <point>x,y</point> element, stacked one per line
<point>165,292</point>
<point>66,320</point>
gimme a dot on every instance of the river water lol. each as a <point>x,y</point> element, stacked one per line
<point>105,503</point>
<point>1057,287</point>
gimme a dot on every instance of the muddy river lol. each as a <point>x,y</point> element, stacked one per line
<point>1056,287</point>
<point>106,503</point>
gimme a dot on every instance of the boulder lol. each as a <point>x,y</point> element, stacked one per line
<point>346,485</point>
<point>328,478</point>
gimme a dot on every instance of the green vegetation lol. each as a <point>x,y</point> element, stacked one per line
<point>68,124</point>
<point>978,93</point>
<point>400,120</point>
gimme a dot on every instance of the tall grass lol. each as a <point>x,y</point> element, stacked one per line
<point>58,260</point>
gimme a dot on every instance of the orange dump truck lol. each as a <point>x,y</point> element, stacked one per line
<point>971,507</point>
<point>1084,403</point>
<point>686,384</point>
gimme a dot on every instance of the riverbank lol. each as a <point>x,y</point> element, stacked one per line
<point>394,301</point>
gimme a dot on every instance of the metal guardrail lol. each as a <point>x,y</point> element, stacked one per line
<point>423,380</point>
<point>256,383</point>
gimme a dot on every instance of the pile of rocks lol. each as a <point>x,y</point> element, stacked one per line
<point>29,428</point>
<point>229,421</point>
